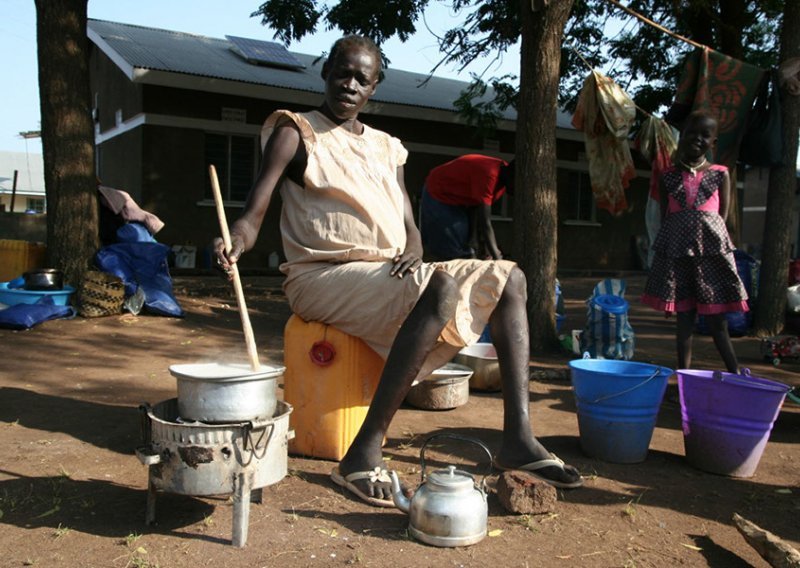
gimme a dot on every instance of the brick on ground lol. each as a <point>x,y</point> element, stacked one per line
<point>520,492</point>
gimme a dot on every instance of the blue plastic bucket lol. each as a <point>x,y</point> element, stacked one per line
<point>727,419</point>
<point>618,404</point>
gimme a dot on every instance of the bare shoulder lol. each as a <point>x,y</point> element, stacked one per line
<point>284,142</point>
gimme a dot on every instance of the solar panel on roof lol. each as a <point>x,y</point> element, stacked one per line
<point>264,52</point>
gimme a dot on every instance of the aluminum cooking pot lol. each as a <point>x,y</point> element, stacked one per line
<point>218,393</point>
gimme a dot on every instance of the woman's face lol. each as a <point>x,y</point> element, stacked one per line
<point>698,138</point>
<point>350,80</point>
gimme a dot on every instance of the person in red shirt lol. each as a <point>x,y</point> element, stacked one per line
<point>457,199</point>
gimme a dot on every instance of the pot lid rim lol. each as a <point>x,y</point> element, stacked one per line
<point>215,372</point>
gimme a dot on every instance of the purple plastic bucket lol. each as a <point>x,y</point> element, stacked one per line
<point>727,419</point>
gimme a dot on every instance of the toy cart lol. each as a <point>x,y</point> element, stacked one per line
<point>779,347</point>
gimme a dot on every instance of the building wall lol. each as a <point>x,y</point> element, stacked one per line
<point>114,96</point>
<point>119,164</point>
<point>22,227</point>
<point>754,207</point>
<point>22,203</point>
<point>608,243</point>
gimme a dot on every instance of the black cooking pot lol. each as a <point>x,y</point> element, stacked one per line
<point>43,279</point>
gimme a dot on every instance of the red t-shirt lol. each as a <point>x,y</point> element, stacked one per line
<point>468,181</point>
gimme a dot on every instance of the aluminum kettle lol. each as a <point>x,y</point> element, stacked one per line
<point>449,508</point>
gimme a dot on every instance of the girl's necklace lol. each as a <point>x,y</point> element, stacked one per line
<point>693,169</point>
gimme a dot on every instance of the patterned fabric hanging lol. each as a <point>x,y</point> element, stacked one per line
<point>723,86</point>
<point>605,114</point>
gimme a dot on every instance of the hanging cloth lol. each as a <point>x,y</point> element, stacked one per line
<point>762,144</point>
<point>605,114</point>
<point>656,141</point>
<point>723,86</point>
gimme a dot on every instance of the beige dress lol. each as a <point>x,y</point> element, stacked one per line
<point>342,230</point>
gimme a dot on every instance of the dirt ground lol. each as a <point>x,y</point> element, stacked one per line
<point>72,492</point>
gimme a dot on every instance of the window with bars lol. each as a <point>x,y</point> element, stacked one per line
<point>580,200</point>
<point>35,204</point>
<point>235,159</point>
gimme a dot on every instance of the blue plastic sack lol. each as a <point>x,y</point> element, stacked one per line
<point>142,266</point>
<point>25,316</point>
<point>134,233</point>
<point>739,323</point>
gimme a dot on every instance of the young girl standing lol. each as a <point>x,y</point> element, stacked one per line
<point>694,270</point>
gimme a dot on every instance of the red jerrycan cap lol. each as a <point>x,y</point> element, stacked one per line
<point>322,353</point>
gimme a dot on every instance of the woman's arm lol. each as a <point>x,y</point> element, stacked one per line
<point>486,230</point>
<point>411,258</point>
<point>283,151</point>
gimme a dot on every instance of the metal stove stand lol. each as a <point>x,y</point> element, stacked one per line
<point>201,459</point>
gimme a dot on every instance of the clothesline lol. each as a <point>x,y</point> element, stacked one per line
<point>649,22</point>
<point>655,25</point>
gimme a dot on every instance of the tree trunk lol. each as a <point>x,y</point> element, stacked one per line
<point>67,135</point>
<point>535,202</point>
<point>771,303</point>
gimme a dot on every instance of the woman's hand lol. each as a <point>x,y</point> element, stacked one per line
<point>406,262</point>
<point>224,262</point>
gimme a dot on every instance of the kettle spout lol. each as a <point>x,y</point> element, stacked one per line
<point>403,503</point>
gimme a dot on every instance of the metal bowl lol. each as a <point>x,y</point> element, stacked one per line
<point>482,359</point>
<point>43,279</point>
<point>445,388</point>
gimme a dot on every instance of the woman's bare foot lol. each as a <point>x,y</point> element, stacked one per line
<point>374,486</point>
<point>538,461</point>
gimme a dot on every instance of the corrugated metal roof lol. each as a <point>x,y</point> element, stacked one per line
<point>178,52</point>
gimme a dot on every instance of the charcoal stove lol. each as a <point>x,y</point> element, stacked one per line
<point>200,459</point>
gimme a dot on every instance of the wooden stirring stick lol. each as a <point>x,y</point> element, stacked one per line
<point>249,338</point>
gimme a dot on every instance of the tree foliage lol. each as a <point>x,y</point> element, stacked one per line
<point>645,60</point>
<point>488,26</point>
<point>293,19</point>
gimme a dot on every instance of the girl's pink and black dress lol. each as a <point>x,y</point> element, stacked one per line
<point>694,267</point>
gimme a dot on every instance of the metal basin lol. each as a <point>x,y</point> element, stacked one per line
<point>482,359</point>
<point>445,388</point>
<point>223,393</point>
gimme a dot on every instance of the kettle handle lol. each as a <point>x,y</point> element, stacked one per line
<point>453,437</point>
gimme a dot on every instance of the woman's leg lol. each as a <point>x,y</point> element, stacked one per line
<point>683,338</point>
<point>416,338</point>
<point>718,325</point>
<point>510,335</point>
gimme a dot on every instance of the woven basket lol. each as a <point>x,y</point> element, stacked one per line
<point>101,294</point>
